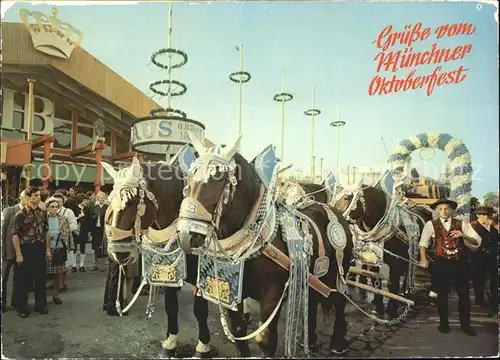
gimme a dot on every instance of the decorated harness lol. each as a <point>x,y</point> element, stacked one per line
<point>221,261</point>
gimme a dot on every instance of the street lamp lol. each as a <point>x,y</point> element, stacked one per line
<point>312,112</point>
<point>338,124</point>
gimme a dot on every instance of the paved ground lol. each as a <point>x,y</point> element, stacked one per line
<point>79,328</point>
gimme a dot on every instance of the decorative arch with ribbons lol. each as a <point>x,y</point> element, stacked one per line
<point>458,154</point>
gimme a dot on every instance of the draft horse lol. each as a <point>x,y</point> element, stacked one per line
<point>370,208</point>
<point>164,185</point>
<point>223,195</point>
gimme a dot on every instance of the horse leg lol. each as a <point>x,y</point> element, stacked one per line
<point>338,342</point>
<point>312,319</point>
<point>394,287</point>
<point>378,300</point>
<point>247,310</point>
<point>200,309</point>
<point>169,345</point>
<point>268,338</point>
<point>239,329</point>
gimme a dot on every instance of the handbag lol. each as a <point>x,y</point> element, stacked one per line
<point>59,255</point>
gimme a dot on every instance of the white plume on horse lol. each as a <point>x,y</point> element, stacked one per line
<point>128,176</point>
<point>221,153</point>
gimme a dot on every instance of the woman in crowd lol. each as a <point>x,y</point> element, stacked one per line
<point>97,229</point>
<point>59,236</point>
<point>79,205</point>
<point>74,230</point>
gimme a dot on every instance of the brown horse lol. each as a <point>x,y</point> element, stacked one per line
<point>370,208</point>
<point>215,203</point>
<point>166,183</point>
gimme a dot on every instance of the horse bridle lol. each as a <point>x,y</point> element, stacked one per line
<point>353,204</point>
<point>115,234</point>
<point>193,216</point>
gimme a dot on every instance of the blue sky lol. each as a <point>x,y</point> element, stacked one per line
<point>322,44</point>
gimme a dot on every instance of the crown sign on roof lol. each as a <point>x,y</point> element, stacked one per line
<point>49,34</point>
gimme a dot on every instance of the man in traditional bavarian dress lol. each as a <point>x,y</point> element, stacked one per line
<point>484,258</point>
<point>452,239</point>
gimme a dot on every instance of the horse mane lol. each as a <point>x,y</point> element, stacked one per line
<point>166,183</point>
<point>244,198</point>
<point>311,187</point>
<point>375,205</point>
<point>318,190</point>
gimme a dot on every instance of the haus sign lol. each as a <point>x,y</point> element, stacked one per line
<point>164,131</point>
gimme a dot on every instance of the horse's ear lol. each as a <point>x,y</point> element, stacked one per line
<point>197,144</point>
<point>109,169</point>
<point>229,153</point>
<point>360,183</point>
<point>136,167</point>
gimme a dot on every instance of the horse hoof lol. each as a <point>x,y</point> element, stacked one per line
<point>339,347</point>
<point>339,350</point>
<point>199,355</point>
<point>378,311</point>
<point>167,353</point>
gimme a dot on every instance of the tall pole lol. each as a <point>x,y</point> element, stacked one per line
<point>283,98</point>
<point>241,89</point>
<point>314,169</point>
<point>31,115</point>
<point>282,150</point>
<point>169,55</point>
<point>338,124</point>
<point>321,169</point>
<point>312,134</point>
<point>338,138</point>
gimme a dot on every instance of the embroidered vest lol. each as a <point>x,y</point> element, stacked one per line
<point>446,246</point>
<point>489,243</point>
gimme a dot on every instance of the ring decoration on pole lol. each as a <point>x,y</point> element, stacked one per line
<point>337,123</point>
<point>283,97</point>
<point>182,54</point>
<point>458,154</point>
<point>165,129</point>
<point>312,112</point>
<point>181,91</point>
<point>244,77</point>
<point>167,111</point>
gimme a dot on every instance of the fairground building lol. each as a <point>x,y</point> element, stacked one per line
<point>63,111</point>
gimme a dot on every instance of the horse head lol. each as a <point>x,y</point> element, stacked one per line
<point>132,208</point>
<point>214,206</point>
<point>361,204</point>
<point>350,202</point>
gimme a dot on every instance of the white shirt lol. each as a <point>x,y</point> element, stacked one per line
<point>98,223</point>
<point>487,227</point>
<point>428,232</point>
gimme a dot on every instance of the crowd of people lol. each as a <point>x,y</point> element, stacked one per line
<point>43,236</point>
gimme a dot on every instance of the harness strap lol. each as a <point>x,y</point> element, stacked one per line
<point>321,246</point>
<point>276,255</point>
